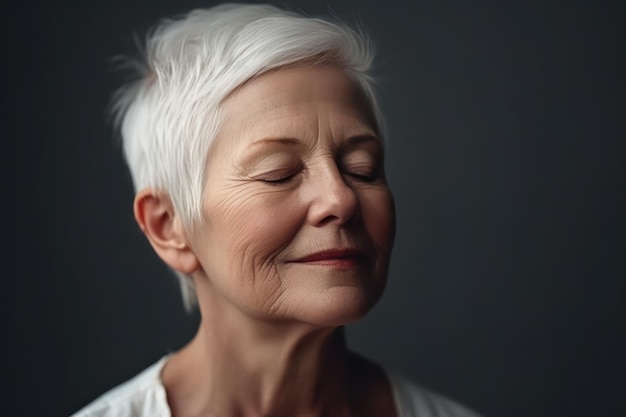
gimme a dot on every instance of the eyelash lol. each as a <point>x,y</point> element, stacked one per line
<point>279,181</point>
<point>363,177</point>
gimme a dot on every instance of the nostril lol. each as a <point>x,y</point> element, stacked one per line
<point>327,220</point>
<point>333,200</point>
<point>339,205</point>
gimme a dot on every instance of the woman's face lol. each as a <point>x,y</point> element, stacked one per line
<point>299,220</point>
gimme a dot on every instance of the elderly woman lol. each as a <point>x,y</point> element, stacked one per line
<point>256,148</point>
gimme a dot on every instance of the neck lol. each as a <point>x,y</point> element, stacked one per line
<point>246,367</point>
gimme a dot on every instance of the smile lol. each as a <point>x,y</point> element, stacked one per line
<point>335,258</point>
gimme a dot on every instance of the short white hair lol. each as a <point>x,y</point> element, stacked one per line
<point>169,117</point>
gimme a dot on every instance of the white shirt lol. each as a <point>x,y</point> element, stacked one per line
<point>144,396</point>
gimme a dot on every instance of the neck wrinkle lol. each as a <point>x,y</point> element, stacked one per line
<point>256,368</point>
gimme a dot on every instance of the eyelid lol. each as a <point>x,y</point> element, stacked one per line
<point>362,164</point>
<point>368,175</point>
<point>277,176</point>
<point>285,180</point>
<point>273,166</point>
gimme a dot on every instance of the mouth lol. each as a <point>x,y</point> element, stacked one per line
<point>335,258</point>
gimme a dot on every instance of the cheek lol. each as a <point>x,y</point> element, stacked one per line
<point>243,238</point>
<point>380,219</point>
<point>257,228</point>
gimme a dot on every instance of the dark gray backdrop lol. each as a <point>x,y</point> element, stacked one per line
<point>506,157</point>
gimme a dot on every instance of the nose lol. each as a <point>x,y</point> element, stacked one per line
<point>332,199</point>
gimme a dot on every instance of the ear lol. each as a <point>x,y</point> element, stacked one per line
<point>157,219</point>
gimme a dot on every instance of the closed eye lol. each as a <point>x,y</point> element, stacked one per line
<point>362,172</point>
<point>278,177</point>
<point>363,163</point>
<point>279,181</point>
<point>363,177</point>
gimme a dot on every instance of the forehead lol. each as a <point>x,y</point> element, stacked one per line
<point>297,100</point>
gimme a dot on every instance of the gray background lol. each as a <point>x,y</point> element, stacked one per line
<point>506,157</point>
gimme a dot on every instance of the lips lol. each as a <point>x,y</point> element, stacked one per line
<point>335,257</point>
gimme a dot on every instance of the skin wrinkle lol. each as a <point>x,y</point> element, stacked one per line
<point>324,163</point>
<point>249,256</point>
<point>229,205</point>
<point>276,316</point>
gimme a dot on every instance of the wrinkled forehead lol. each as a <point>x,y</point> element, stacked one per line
<point>298,100</point>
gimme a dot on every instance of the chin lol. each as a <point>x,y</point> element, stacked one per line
<point>338,306</point>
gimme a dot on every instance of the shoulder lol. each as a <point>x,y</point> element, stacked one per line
<point>413,400</point>
<point>141,396</point>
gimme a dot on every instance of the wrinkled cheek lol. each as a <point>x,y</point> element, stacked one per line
<point>262,237</point>
<point>257,238</point>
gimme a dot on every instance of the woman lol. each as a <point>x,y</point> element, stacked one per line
<point>255,145</point>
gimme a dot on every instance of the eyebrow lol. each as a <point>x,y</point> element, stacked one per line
<point>353,140</point>
<point>279,141</point>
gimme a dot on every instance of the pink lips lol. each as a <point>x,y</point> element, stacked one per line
<point>337,258</point>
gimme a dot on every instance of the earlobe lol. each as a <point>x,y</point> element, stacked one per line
<point>157,219</point>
